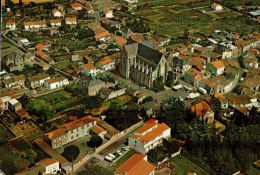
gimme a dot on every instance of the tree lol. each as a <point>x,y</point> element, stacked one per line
<point>216,105</point>
<point>24,100</point>
<point>170,79</point>
<point>51,71</point>
<point>158,84</point>
<point>95,141</point>
<point>37,68</point>
<point>71,152</point>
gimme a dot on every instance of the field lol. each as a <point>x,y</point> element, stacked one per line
<point>29,130</point>
<point>5,135</point>
<point>184,165</point>
<point>173,17</point>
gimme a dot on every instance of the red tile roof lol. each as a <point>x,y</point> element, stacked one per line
<point>217,64</point>
<point>97,129</point>
<point>75,5</point>
<point>89,66</point>
<point>105,61</point>
<point>200,108</point>
<point>136,165</point>
<point>10,23</point>
<point>98,30</point>
<point>48,161</point>
<point>22,113</point>
<point>55,20</point>
<point>28,23</point>
<point>121,41</point>
<point>72,19</point>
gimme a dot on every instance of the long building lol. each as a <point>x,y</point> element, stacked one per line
<point>149,136</point>
<point>71,131</point>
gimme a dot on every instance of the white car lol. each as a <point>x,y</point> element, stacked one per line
<point>108,158</point>
<point>111,155</point>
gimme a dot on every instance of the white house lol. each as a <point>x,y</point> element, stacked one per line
<point>97,130</point>
<point>71,21</point>
<point>14,105</point>
<point>4,102</point>
<point>55,22</point>
<point>106,64</point>
<point>56,13</point>
<point>216,6</point>
<point>216,67</point>
<point>34,24</point>
<point>50,165</point>
<point>108,13</point>
<point>10,25</point>
<point>132,1</point>
<point>90,69</point>
<point>54,83</point>
<point>149,136</point>
<point>24,41</point>
<point>37,81</point>
<point>76,6</point>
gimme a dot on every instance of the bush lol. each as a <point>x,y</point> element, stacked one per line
<point>71,152</point>
<point>95,141</point>
<point>95,170</point>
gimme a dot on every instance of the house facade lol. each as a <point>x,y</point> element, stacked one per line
<point>149,136</point>
<point>70,131</point>
<point>37,81</point>
<point>71,21</point>
<point>216,68</point>
<point>89,69</point>
<point>50,165</point>
<point>142,64</point>
<point>14,105</point>
<point>55,22</point>
<point>10,25</point>
<point>35,25</point>
<point>57,82</point>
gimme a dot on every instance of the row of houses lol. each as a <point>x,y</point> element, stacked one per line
<point>79,128</point>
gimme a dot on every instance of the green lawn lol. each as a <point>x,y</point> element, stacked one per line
<point>184,165</point>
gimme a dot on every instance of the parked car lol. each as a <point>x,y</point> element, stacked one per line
<point>112,156</point>
<point>108,158</point>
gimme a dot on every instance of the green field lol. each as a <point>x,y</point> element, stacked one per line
<point>173,17</point>
<point>184,165</point>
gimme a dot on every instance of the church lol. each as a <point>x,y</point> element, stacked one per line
<point>141,63</point>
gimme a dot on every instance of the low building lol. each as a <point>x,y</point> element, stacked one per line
<point>34,24</point>
<point>50,165</point>
<point>57,82</point>
<point>89,69</point>
<point>10,25</point>
<point>76,6</point>
<point>216,7</point>
<point>14,105</point>
<point>13,62</point>
<point>108,13</point>
<point>44,57</point>
<point>71,21</point>
<point>4,102</point>
<point>216,67</point>
<point>106,64</point>
<point>203,111</point>
<point>109,93</point>
<point>37,81</point>
<point>56,13</point>
<point>71,131</point>
<point>55,22</point>
<point>14,82</point>
<point>91,86</point>
<point>101,34</point>
<point>137,165</point>
<point>43,65</point>
<point>97,130</point>
<point>149,136</point>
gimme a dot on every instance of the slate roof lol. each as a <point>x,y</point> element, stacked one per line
<point>143,52</point>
